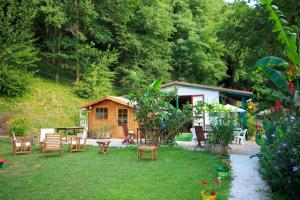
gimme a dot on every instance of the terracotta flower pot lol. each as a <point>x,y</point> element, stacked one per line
<point>208,196</point>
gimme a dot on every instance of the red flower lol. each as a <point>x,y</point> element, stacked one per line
<point>213,192</point>
<point>293,90</point>
<point>290,84</point>
<point>292,87</point>
<point>217,181</point>
<point>203,182</point>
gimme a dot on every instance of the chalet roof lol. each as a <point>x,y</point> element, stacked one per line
<point>194,85</point>
<point>120,100</point>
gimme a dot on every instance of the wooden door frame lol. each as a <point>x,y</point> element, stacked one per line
<point>203,113</point>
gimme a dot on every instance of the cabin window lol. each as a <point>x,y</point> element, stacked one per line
<point>101,113</point>
<point>122,116</point>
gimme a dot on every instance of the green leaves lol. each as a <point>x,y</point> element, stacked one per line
<point>265,64</point>
<point>285,34</point>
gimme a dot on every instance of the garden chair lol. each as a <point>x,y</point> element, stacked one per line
<point>52,143</point>
<point>200,137</point>
<point>127,138</point>
<point>194,137</point>
<point>241,136</point>
<point>43,133</point>
<point>21,145</point>
<point>77,143</point>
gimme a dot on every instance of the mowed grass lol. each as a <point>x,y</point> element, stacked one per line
<point>184,137</point>
<point>47,104</point>
<point>118,175</point>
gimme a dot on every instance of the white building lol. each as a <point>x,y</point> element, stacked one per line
<point>195,93</point>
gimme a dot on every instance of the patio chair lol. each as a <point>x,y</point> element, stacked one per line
<point>52,143</point>
<point>21,145</point>
<point>77,143</point>
<point>43,133</point>
<point>127,138</point>
<point>194,137</point>
<point>200,137</point>
<point>240,137</point>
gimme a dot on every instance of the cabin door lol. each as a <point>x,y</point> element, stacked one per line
<point>122,118</point>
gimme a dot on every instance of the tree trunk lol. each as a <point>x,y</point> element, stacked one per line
<point>77,76</point>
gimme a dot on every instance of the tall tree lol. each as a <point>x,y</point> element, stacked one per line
<point>17,49</point>
<point>247,35</point>
<point>197,52</point>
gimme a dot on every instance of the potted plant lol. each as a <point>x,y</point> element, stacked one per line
<point>208,191</point>
<point>223,125</point>
<point>224,170</point>
<point>102,131</point>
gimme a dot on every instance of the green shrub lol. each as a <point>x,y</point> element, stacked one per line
<point>222,124</point>
<point>251,124</point>
<point>280,149</point>
<point>19,126</point>
<point>13,82</point>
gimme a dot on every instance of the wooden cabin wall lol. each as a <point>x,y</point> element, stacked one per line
<point>112,120</point>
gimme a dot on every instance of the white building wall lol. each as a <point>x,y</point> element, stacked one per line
<point>210,96</point>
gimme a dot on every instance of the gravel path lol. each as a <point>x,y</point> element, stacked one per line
<point>247,183</point>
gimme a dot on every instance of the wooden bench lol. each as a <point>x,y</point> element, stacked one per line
<point>152,149</point>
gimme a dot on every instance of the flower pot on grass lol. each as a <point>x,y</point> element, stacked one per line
<point>224,174</point>
<point>223,171</point>
<point>210,196</point>
<point>2,164</point>
<point>225,157</point>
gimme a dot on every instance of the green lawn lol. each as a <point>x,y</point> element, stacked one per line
<point>117,175</point>
<point>184,137</point>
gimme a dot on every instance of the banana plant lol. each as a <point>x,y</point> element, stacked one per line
<point>281,72</point>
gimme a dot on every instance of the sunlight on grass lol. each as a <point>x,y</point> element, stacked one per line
<point>118,175</point>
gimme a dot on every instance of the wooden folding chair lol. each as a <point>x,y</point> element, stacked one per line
<point>200,137</point>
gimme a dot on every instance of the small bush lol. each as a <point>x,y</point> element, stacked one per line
<point>19,126</point>
<point>13,82</point>
<point>222,124</point>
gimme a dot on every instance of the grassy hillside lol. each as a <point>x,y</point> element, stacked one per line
<point>46,105</point>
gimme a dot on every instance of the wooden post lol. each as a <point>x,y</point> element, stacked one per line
<point>244,114</point>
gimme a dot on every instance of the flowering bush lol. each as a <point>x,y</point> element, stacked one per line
<point>280,146</point>
<point>280,156</point>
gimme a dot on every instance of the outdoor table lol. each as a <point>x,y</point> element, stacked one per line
<point>103,144</point>
<point>152,149</point>
<point>70,128</point>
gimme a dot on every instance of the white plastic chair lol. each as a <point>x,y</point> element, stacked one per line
<point>45,131</point>
<point>194,137</point>
<point>241,137</point>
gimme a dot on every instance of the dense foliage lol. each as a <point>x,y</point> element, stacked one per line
<point>280,145</point>
<point>200,41</point>
<point>18,53</point>
<point>158,118</point>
